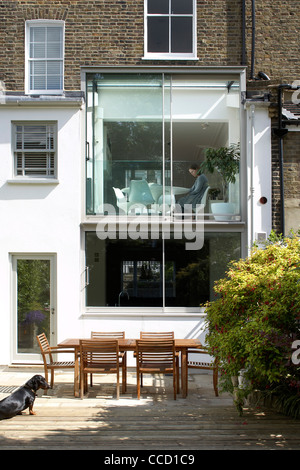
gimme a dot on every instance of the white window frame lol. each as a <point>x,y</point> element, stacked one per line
<point>28,60</point>
<point>170,55</point>
<point>15,150</point>
<point>32,358</point>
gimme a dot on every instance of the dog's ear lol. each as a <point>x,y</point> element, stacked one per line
<point>33,383</point>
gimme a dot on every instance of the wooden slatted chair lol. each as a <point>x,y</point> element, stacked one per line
<point>161,335</point>
<point>155,357</point>
<point>198,363</point>
<point>113,335</point>
<point>156,334</point>
<point>49,363</point>
<point>100,357</point>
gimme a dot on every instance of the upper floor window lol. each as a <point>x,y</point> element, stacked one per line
<point>170,29</point>
<point>34,150</point>
<point>44,56</point>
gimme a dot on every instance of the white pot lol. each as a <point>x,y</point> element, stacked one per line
<point>220,208</point>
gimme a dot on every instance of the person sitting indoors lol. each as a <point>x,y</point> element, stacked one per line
<point>195,194</point>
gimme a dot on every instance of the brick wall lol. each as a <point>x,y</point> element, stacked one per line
<point>111,32</point>
<point>291,175</point>
<point>291,164</point>
<point>277,38</point>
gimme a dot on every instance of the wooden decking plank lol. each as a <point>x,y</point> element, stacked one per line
<point>156,422</point>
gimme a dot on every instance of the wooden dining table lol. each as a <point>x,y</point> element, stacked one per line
<point>181,345</point>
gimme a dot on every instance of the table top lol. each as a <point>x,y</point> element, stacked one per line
<point>130,343</point>
<point>168,189</point>
<point>176,190</point>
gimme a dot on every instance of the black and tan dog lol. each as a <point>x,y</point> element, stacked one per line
<point>22,398</point>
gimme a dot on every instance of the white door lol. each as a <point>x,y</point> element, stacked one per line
<point>34,304</point>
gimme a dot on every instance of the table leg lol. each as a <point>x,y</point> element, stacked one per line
<point>76,373</point>
<point>184,381</point>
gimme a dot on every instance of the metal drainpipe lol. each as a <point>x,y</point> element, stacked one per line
<point>281,133</point>
<point>244,32</point>
<point>253,41</point>
<point>252,117</point>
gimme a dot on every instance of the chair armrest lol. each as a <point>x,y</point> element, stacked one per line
<point>58,349</point>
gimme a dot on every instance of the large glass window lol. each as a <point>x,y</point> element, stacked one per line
<point>155,273</point>
<point>145,131</point>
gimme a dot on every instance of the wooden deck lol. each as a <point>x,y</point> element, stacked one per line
<point>156,422</point>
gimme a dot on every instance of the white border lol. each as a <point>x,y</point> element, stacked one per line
<point>52,257</point>
<point>41,22</point>
<point>170,55</point>
<point>89,222</point>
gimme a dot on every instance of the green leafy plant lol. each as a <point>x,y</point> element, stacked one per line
<point>255,318</point>
<point>226,161</point>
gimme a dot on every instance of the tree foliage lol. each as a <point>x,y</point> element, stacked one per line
<point>255,318</point>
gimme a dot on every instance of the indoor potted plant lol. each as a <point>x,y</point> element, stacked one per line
<point>225,160</point>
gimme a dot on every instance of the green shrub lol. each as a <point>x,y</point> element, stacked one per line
<point>255,317</point>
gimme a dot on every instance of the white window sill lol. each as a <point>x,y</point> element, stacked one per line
<point>142,312</point>
<point>44,92</point>
<point>168,57</point>
<point>33,181</point>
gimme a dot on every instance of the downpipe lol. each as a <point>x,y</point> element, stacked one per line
<point>252,189</point>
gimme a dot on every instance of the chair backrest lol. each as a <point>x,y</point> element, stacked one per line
<point>204,197</point>
<point>44,346</point>
<point>140,192</point>
<point>153,352</point>
<point>199,363</point>
<point>119,195</point>
<point>157,334</point>
<point>101,353</point>
<point>156,190</point>
<point>108,334</point>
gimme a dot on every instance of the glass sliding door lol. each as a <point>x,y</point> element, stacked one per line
<point>126,113</point>
<point>34,304</point>
<point>190,274</point>
<point>124,272</point>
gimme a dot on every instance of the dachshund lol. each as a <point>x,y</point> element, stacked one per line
<point>22,398</point>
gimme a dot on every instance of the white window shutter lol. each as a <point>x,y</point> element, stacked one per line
<point>35,152</point>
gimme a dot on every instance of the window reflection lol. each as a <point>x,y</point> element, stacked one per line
<point>151,128</point>
<point>153,273</point>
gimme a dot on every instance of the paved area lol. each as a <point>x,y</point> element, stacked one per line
<point>156,422</point>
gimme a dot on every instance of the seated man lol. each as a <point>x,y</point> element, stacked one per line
<point>197,191</point>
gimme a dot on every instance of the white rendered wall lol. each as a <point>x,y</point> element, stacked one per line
<point>259,161</point>
<point>42,218</point>
<point>46,218</point>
